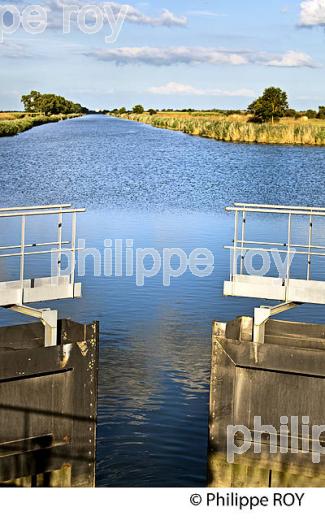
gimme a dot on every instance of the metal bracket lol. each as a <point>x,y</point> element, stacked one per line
<point>48,317</point>
<point>263,313</point>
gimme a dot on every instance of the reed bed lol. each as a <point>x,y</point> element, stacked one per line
<point>11,125</point>
<point>238,129</point>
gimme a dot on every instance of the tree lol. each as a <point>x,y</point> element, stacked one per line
<point>311,114</point>
<point>122,110</point>
<point>50,104</point>
<point>291,112</point>
<point>321,112</point>
<point>30,101</point>
<point>152,111</point>
<point>138,109</point>
<point>272,104</point>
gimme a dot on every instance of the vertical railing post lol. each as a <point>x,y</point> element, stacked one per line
<point>59,258</point>
<point>73,246</point>
<point>234,260</point>
<point>22,254</point>
<point>288,252</point>
<point>310,238</point>
<point>242,242</point>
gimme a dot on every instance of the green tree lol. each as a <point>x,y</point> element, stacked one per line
<point>49,104</point>
<point>138,109</point>
<point>290,112</point>
<point>311,114</point>
<point>321,112</point>
<point>122,110</point>
<point>30,101</point>
<point>272,104</point>
<point>152,111</point>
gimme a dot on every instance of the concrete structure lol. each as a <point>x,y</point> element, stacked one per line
<point>268,377</point>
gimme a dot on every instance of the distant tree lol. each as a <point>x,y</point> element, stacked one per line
<point>291,112</point>
<point>49,104</point>
<point>138,109</point>
<point>311,114</point>
<point>122,110</point>
<point>271,105</point>
<point>152,111</point>
<point>321,112</point>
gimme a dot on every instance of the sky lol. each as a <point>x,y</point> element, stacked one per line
<point>163,53</point>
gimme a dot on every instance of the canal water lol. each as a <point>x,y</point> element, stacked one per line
<point>159,189</point>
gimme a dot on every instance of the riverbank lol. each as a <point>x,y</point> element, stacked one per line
<point>12,123</point>
<point>237,128</point>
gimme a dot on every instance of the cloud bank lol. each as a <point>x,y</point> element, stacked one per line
<point>198,55</point>
<point>292,59</point>
<point>174,88</point>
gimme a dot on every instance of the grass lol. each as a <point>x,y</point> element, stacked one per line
<point>237,128</point>
<point>12,123</point>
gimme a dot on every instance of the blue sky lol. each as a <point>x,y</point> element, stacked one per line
<point>204,54</point>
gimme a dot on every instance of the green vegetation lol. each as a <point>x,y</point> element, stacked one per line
<point>39,109</point>
<point>14,123</point>
<point>271,105</point>
<point>238,128</point>
<point>267,120</point>
<point>321,113</point>
<point>138,109</point>
<point>50,104</point>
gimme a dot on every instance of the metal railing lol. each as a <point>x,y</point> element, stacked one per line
<point>28,249</point>
<point>241,246</point>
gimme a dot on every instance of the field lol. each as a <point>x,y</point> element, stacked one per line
<point>12,123</point>
<point>237,128</point>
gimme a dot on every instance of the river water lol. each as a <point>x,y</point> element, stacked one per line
<point>160,189</point>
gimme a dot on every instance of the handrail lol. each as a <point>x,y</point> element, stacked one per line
<point>267,250</point>
<point>46,252</point>
<point>65,242</point>
<point>26,208</point>
<point>241,246</point>
<point>276,206</point>
<point>250,209</point>
<point>34,213</point>
<point>43,248</point>
<point>284,244</point>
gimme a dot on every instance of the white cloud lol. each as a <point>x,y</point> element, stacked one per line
<point>292,59</point>
<point>160,56</point>
<point>184,89</point>
<point>133,15</point>
<point>166,17</point>
<point>312,13</point>
<point>169,55</point>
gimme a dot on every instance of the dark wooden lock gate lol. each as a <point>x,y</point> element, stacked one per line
<point>48,405</point>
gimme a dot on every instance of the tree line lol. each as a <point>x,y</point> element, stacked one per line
<point>50,104</point>
<point>270,106</point>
